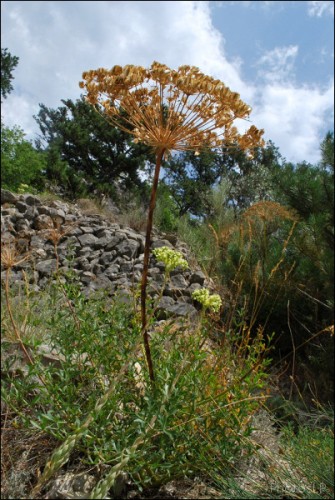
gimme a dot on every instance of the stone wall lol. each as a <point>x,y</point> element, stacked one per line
<point>103,254</point>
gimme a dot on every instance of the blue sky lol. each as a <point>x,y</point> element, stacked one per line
<point>267,25</point>
<point>278,55</point>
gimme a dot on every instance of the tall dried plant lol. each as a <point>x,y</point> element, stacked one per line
<point>168,110</point>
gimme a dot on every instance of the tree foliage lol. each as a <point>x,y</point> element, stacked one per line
<point>192,178</point>
<point>86,146</point>
<point>8,64</point>
<point>21,163</point>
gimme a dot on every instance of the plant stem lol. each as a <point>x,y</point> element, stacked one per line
<point>159,157</point>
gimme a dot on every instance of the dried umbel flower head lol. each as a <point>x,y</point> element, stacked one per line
<point>10,257</point>
<point>168,109</point>
<point>268,211</point>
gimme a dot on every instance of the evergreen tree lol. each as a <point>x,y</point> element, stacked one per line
<point>90,147</point>
<point>309,190</point>
<point>8,64</point>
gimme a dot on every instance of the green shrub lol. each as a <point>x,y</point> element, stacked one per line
<point>20,162</point>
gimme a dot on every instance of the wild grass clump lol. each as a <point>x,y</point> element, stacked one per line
<point>311,452</point>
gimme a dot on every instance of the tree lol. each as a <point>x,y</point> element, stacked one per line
<point>8,64</point>
<point>327,152</point>
<point>85,146</point>
<point>168,111</point>
<point>20,162</point>
<point>192,178</point>
<point>309,190</point>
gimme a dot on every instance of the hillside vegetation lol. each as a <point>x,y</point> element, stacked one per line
<point>103,397</point>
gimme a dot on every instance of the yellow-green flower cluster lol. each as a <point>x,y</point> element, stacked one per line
<point>171,258</point>
<point>213,302</point>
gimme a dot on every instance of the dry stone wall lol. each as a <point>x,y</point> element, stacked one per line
<point>103,254</point>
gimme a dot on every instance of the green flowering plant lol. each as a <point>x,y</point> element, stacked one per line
<point>23,188</point>
<point>213,302</point>
<point>171,258</point>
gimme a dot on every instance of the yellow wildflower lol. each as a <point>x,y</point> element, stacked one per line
<point>213,302</point>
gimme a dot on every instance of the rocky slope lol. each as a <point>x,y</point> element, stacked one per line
<point>103,254</point>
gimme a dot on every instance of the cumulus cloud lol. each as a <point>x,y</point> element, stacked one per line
<point>294,118</point>
<point>318,8</point>
<point>56,41</point>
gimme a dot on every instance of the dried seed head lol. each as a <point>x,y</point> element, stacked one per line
<point>168,109</point>
<point>10,257</point>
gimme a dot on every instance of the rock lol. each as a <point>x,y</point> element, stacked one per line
<point>112,271</point>
<point>182,309</point>
<point>8,197</point>
<point>103,242</point>
<point>50,356</point>
<point>21,207</point>
<point>43,221</point>
<point>31,213</point>
<point>126,267</point>
<point>60,205</point>
<point>114,241</point>
<point>22,245</point>
<point>22,225</point>
<point>162,307</point>
<point>84,264</point>
<point>128,248</point>
<point>11,212</point>
<point>178,281</point>
<point>31,200</point>
<point>87,239</point>
<point>57,215</point>
<point>40,252</point>
<point>71,485</point>
<point>160,243</point>
<point>87,229</point>
<point>198,277</point>
<point>104,233</point>
<point>7,238</point>
<point>87,277</point>
<point>46,267</point>
<point>190,289</point>
<point>106,258</point>
<point>120,485</point>
<point>43,210</point>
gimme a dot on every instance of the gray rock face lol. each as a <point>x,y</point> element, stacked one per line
<point>102,254</point>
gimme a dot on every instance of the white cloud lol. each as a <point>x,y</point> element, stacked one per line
<point>318,8</point>
<point>57,40</point>
<point>278,64</point>
<point>294,118</point>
